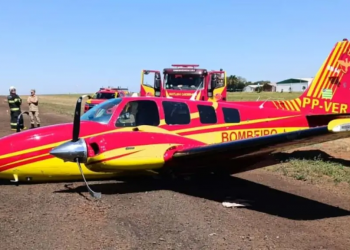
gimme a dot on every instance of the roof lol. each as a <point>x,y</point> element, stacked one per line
<point>255,85</point>
<point>187,101</point>
<point>296,80</point>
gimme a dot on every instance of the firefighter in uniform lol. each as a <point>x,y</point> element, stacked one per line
<point>15,102</point>
<point>33,109</point>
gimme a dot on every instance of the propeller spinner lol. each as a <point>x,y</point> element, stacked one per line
<point>76,149</point>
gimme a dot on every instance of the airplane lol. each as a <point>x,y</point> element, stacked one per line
<point>170,136</point>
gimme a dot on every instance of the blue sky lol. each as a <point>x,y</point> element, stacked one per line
<point>66,46</point>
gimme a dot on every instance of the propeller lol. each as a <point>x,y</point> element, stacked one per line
<point>18,127</point>
<point>76,121</point>
<point>76,149</point>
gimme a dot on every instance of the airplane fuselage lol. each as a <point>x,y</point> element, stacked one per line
<point>25,155</point>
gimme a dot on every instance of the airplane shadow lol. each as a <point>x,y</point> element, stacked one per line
<point>263,198</point>
<point>311,155</point>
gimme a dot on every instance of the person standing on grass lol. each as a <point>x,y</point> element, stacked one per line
<point>15,102</point>
<point>33,102</point>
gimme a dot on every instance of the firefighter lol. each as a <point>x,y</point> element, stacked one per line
<point>33,109</point>
<point>15,102</point>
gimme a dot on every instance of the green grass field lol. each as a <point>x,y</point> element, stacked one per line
<point>304,170</point>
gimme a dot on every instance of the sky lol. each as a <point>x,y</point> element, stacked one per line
<point>66,46</point>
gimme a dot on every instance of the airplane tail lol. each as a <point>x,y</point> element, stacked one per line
<point>329,92</point>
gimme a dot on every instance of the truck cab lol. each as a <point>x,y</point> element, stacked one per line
<point>104,94</point>
<point>186,81</point>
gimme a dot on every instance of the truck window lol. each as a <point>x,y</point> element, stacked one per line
<point>231,115</point>
<point>207,114</point>
<point>137,113</point>
<point>103,95</point>
<point>183,81</point>
<point>176,113</point>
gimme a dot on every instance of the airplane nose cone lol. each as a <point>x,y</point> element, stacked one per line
<point>70,151</point>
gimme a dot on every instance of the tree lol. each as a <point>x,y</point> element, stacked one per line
<point>236,82</point>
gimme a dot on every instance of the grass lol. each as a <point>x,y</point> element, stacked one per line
<point>253,96</point>
<point>303,170</point>
<point>313,170</point>
<point>61,104</point>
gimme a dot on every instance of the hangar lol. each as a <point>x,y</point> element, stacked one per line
<point>293,84</point>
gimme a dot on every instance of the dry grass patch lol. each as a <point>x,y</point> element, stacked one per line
<point>61,104</point>
<point>315,171</point>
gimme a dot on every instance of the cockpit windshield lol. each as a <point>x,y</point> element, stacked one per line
<point>102,112</point>
<point>101,95</point>
<point>183,81</point>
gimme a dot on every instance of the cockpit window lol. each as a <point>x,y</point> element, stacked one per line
<point>183,81</point>
<point>100,95</point>
<point>102,112</point>
<point>137,113</point>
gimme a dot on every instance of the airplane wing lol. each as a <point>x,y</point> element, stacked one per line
<point>253,148</point>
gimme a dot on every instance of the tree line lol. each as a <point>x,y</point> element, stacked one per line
<point>237,83</point>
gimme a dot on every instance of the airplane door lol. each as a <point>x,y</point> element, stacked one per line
<point>216,89</point>
<point>150,86</point>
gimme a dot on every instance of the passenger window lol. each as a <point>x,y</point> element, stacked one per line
<point>137,113</point>
<point>176,113</point>
<point>207,114</point>
<point>231,115</point>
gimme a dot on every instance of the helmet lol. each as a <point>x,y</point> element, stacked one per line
<point>12,88</point>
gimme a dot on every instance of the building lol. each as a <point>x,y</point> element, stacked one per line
<point>269,87</point>
<point>250,88</point>
<point>293,85</point>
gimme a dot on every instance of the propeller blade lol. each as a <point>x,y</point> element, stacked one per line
<point>76,122</point>
<point>18,127</point>
<point>92,193</point>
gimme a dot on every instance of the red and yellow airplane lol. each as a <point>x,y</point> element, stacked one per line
<point>169,135</point>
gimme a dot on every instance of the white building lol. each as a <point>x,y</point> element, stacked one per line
<point>295,84</point>
<point>250,88</point>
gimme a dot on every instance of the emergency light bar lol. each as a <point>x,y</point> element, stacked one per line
<point>112,88</point>
<point>119,88</point>
<point>185,65</point>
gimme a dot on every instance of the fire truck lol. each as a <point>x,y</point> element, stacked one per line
<point>104,94</point>
<point>186,81</point>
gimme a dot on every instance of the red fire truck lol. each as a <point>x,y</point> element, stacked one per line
<point>186,81</point>
<point>104,94</point>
